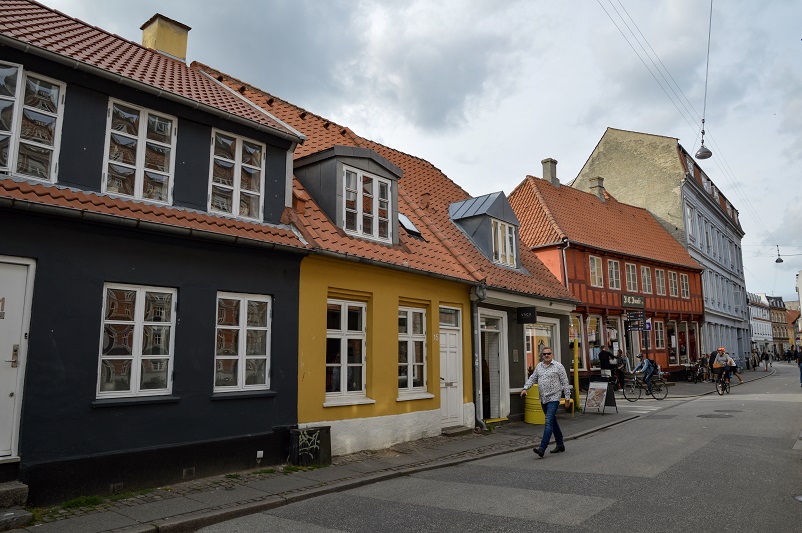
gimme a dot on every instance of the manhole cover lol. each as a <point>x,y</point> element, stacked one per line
<point>715,416</point>
<point>726,411</point>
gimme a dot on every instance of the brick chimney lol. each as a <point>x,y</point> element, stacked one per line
<point>597,187</point>
<point>550,171</point>
<point>166,36</point>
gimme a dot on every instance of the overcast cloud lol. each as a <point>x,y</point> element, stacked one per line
<point>485,90</point>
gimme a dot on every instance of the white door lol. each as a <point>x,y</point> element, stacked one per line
<point>450,377</point>
<point>14,306</point>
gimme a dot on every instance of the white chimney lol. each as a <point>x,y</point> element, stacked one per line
<point>550,171</point>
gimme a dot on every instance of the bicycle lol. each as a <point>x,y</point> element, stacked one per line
<point>722,382</point>
<point>634,386</point>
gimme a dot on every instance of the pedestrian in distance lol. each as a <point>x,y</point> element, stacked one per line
<point>734,369</point>
<point>623,368</point>
<point>552,382</point>
<point>799,364</point>
<point>606,364</point>
<point>766,361</point>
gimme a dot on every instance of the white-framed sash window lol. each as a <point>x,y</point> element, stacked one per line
<point>31,115</point>
<point>137,341</point>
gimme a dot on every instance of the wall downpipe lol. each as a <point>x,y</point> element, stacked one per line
<point>478,294</point>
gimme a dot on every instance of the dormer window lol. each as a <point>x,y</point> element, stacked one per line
<point>31,110</point>
<point>503,243</point>
<point>366,204</point>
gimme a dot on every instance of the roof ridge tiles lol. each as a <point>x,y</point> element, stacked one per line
<point>215,73</point>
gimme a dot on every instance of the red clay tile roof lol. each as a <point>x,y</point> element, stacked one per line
<point>22,194</point>
<point>792,316</point>
<point>548,214</point>
<point>424,196</point>
<point>32,23</point>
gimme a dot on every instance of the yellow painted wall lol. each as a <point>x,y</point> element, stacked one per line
<point>384,290</point>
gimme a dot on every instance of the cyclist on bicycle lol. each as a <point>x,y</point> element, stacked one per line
<point>648,367</point>
<point>726,362</point>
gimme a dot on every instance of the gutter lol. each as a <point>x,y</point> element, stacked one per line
<point>166,229</point>
<point>150,89</point>
<point>565,264</point>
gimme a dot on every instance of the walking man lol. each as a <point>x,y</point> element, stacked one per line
<point>553,382</point>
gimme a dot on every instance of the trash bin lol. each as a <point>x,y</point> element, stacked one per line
<point>310,446</point>
<point>533,411</point>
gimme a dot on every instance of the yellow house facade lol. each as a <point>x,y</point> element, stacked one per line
<point>401,338</point>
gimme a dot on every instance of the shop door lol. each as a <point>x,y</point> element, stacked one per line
<point>14,305</point>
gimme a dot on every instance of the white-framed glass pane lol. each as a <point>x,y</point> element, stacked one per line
<point>153,375</point>
<point>223,172</point>
<point>38,127</point>
<point>6,115</point>
<point>115,375</point>
<point>122,149</point>
<point>225,146</point>
<point>125,119</point>
<point>34,161</point>
<point>8,80</point>
<point>157,157</point>
<point>42,95</point>
<point>155,186</point>
<point>160,129</point>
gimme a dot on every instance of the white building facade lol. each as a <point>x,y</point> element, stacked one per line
<point>760,323</point>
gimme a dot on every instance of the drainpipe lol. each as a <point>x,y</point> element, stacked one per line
<point>578,333</point>
<point>478,294</point>
<point>565,264</point>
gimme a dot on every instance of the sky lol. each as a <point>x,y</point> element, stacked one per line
<point>485,90</point>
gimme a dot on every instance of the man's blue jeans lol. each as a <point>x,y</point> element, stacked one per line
<point>648,379</point>
<point>550,408</point>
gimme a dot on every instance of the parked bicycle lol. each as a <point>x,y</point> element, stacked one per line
<point>634,385</point>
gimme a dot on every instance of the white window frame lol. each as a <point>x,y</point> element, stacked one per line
<point>596,271</point>
<point>136,357</point>
<point>503,243</point>
<point>632,277</point>
<point>660,281</point>
<point>344,396</point>
<point>410,338</point>
<point>672,284</point>
<point>689,221</point>
<point>659,335</point>
<point>241,357</point>
<point>358,196</point>
<point>142,141</point>
<point>15,136</point>
<point>646,279</point>
<point>236,189</point>
<point>614,274</point>
<point>684,286</point>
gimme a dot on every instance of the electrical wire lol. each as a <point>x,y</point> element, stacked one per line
<point>720,161</point>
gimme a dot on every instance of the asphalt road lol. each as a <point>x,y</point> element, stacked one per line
<point>715,463</point>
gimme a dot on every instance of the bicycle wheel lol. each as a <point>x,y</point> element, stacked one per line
<point>659,389</point>
<point>631,391</point>
<point>720,386</point>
